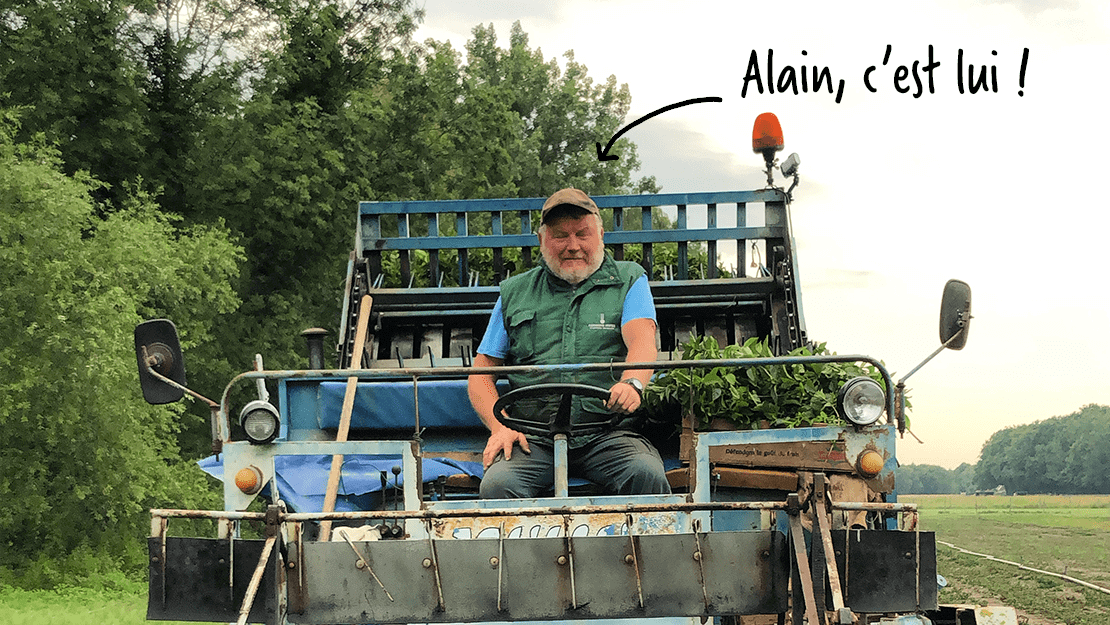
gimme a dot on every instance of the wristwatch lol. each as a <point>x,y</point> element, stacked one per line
<point>636,384</point>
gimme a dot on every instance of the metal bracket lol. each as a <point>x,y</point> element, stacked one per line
<point>570,561</point>
<point>699,555</point>
<point>635,561</point>
<point>363,563</point>
<point>434,564</point>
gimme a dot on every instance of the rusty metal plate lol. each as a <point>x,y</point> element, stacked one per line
<point>547,578</point>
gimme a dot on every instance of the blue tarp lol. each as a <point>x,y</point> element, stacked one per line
<point>389,405</point>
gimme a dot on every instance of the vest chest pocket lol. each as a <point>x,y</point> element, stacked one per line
<point>521,327</point>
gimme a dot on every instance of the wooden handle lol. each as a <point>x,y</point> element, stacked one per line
<point>345,415</point>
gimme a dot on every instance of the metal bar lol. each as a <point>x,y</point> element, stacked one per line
<point>799,541</point>
<point>252,589</point>
<point>741,244</point>
<point>498,261</point>
<point>300,517</point>
<point>162,563</point>
<point>461,231</point>
<point>298,590</point>
<point>618,225</point>
<point>561,480</point>
<point>433,255</point>
<point>635,561</point>
<point>500,562</point>
<point>830,554</point>
<point>231,564</point>
<point>711,246</point>
<point>462,372</point>
<point>416,406</point>
<point>526,229</point>
<point>917,568</point>
<point>405,256</point>
<point>162,378</point>
<point>698,556</point>
<point>874,506</point>
<point>570,561</point>
<point>611,238</point>
<point>647,261</point>
<point>817,548</point>
<point>683,252</point>
<point>362,562</point>
<point>930,357</point>
<point>602,201</point>
<point>534,203</point>
<point>435,565</point>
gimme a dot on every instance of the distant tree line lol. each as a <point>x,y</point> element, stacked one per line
<point>1066,455</point>
<point>928,479</point>
<point>1063,455</point>
<point>202,160</point>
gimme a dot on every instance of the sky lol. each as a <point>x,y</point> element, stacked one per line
<point>902,186</point>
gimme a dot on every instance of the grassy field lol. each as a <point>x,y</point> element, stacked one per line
<point>1069,535</point>
<point>73,606</point>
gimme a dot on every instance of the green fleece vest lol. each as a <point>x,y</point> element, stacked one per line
<point>551,322</point>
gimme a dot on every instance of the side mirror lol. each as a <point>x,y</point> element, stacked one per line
<point>955,314</point>
<point>156,345</point>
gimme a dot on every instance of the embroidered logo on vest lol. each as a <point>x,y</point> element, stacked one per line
<point>601,325</point>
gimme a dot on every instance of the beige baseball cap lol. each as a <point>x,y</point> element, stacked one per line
<point>568,197</point>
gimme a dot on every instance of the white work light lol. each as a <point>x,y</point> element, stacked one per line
<point>861,401</point>
<point>260,422</point>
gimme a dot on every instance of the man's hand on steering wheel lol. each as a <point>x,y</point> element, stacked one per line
<point>502,440</point>
<point>623,398</point>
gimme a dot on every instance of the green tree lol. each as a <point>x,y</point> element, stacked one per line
<point>83,455</point>
<point>964,476</point>
<point>1059,455</point>
<point>329,128</point>
<point>563,113</point>
<point>65,65</point>
<point>926,479</point>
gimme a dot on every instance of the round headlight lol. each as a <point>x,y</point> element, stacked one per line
<point>260,421</point>
<point>861,401</point>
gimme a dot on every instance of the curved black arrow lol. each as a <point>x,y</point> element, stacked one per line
<point>604,155</point>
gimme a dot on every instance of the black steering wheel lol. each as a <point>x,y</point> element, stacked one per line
<point>560,421</point>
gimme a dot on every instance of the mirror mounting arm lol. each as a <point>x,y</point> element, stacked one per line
<point>900,386</point>
<point>152,362</point>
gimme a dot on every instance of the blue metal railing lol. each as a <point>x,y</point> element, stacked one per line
<point>439,236</point>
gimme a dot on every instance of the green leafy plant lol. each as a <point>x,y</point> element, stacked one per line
<point>786,395</point>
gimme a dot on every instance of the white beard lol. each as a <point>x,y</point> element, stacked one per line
<point>573,276</point>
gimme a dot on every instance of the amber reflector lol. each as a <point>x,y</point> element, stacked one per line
<point>870,463</point>
<point>249,480</point>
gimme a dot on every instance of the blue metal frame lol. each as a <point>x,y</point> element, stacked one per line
<point>370,239</point>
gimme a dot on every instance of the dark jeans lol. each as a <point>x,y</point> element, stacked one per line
<point>621,463</point>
